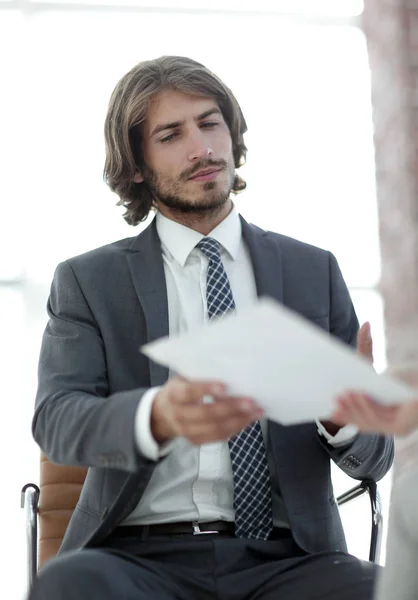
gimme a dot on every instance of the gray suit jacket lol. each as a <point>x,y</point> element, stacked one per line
<point>108,302</point>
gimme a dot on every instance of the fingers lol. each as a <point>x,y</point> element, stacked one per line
<point>207,432</point>
<point>358,409</point>
<point>221,409</point>
<point>207,422</point>
<point>225,417</point>
<point>365,342</point>
<point>185,392</point>
<point>173,399</point>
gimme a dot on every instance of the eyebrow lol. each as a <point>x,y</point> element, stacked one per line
<point>174,124</point>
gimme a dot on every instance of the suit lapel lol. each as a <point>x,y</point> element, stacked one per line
<point>147,272</point>
<point>146,268</point>
<point>266,260</point>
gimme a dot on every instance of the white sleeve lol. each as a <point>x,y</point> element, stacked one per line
<point>144,438</point>
<point>344,436</point>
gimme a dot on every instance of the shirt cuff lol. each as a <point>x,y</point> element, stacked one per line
<point>344,436</point>
<point>147,445</point>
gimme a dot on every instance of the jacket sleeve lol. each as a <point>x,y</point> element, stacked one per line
<point>369,455</point>
<point>76,421</point>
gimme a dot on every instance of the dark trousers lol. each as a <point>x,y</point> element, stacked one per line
<point>206,567</point>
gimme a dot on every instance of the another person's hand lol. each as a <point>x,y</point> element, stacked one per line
<point>369,416</point>
<point>179,410</point>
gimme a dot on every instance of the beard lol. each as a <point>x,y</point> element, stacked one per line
<point>171,193</point>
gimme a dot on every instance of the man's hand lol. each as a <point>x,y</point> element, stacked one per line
<point>178,410</point>
<point>365,342</point>
<point>364,349</point>
<point>368,415</point>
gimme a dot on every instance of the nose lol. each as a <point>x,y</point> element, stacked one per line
<point>199,147</point>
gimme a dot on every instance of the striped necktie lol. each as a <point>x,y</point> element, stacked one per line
<point>252,490</point>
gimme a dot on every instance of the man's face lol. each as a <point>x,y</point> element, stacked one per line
<point>187,147</point>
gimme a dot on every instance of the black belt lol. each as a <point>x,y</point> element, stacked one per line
<point>187,527</point>
<point>184,527</point>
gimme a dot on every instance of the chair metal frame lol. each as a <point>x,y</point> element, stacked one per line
<point>30,500</point>
<point>370,487</point>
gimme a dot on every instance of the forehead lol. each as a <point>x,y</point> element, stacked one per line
<point>172,105</point>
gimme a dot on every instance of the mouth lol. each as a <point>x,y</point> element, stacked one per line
<point>206,175</point>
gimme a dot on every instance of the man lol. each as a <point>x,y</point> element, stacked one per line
<point>190,493</point>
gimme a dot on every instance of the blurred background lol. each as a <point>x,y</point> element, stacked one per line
<point>318,80</point>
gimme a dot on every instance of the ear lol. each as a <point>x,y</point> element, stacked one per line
<point>138,177</point>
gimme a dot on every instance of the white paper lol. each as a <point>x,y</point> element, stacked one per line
<point>291,367</point>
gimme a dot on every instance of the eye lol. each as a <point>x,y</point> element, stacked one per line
<point>168,138</point>
<point>210,124</point>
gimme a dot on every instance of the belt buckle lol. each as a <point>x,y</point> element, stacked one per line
<point>198,531</point>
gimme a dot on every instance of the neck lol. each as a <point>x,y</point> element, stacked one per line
<point>204,222</point>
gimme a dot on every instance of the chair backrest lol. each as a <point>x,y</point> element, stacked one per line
<point>60,489</point>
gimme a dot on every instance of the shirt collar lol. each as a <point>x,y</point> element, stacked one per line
<point>180,240</point>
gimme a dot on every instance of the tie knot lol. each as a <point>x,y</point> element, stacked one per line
<point>210,248</point>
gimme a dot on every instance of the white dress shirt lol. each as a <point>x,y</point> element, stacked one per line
<point>195,483</point>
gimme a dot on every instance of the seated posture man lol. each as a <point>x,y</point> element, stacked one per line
<point>187,498</point>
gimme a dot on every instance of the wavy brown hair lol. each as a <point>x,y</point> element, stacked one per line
<point>128,108</point>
